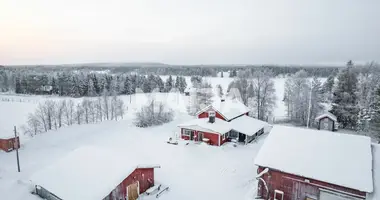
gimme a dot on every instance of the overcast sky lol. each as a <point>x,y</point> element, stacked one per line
<point>189,31</point>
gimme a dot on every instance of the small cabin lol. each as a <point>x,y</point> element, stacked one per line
<point>299,163</point>
<point>327,121</point>
<point>8,144</point>
<point>90,173</point>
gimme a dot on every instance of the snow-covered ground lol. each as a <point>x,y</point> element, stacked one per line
<point>191,171</point>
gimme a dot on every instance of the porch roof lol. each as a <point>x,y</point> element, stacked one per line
<point>247,125</point>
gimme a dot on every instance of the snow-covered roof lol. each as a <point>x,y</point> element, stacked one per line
<point>327,114</point>
<point>376,172</point>
<point>340,159</point>
<point>87,173</point>
<point>248,125</point>
<point>203,124</point>
<point>229,108</point>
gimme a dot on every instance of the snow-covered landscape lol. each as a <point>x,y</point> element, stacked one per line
<point>184,168</point>
<point>189,100</point>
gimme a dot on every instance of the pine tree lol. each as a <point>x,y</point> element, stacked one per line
<point>75,90</point>
<point>54,85</point>
<point>177,82</point>
<point>146,86</point>
<point>328,87</point>
<point>128,85</point>
<point>345,98</point>
<point>374,123</point>
<point>169,84</point>
<point>219,90</point>
<point>160,84</point>
<point>182,84</point>
<point>91,88</point>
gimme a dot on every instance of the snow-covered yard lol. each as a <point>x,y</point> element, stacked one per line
<point>191,171</point>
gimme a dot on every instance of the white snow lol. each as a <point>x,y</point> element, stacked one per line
<point>327,114</point>
<point>248,125</point>
<point>184,168</point>
<point>86,173</point>
<point>335,158</point>
<point>229,109</point>
<point>376,172</point>
<point>13,114</point>
<point>219,126</point>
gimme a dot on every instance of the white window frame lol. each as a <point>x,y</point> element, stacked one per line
<point>223,136</point>
<point>186,132</point>
<point>280,193</point>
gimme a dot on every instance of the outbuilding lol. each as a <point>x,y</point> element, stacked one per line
<point>327,121</point>
<point>90,173</point>
<point>8,142</point>
<point>298,163</point>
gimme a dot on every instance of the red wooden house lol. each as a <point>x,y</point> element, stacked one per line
<point>221,122</point>
<point>297,163</point>
<point>94,173</point>
<point>9,143</point>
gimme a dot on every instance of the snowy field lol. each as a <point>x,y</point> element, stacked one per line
<point>189,170</point>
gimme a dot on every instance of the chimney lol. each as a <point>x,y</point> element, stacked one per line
<point>211,116</point>
<point>222,100</point>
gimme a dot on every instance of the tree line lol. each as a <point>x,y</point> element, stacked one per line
<point>82,84</point>
<point>353,93</point>
<point>52,115</point>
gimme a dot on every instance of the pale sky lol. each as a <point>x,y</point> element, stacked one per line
<point>189,31</point>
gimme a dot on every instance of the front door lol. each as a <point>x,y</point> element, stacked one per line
<point>133,191</point>
<point>192,133</point>
<point>200,136</point>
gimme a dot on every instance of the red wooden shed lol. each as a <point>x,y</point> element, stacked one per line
<point>298,163</point>
<point>9,143</point>
<point>91,173</point>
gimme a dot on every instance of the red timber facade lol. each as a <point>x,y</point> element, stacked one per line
<point>215,138</point>
<point>293,187</point>
<point>142,177</point>
<point>9,144</point>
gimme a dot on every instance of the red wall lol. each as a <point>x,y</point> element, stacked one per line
<point>205,115</point>
<point>214,138</point>
<point>141,175</point>
<point>294,187</point>
<point>4,143</point>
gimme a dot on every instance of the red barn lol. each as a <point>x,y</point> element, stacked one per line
<point>9,143</point>
<point>296,163</point>
<point>91,173</point>
<point>222,122</point>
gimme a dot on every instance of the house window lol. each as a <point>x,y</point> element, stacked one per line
<point>186,132</point>
<point>223,136</point>
<point>278,195</point>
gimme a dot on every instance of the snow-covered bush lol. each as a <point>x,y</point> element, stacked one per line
<point>154,113</point>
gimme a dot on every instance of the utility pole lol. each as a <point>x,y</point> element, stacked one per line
<point>16,145</point>
<point>308,113</point>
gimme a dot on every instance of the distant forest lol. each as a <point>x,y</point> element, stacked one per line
<point>185,70</point>
<point>97,79</point>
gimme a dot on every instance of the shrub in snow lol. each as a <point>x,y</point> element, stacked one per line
<point>154,113</point>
